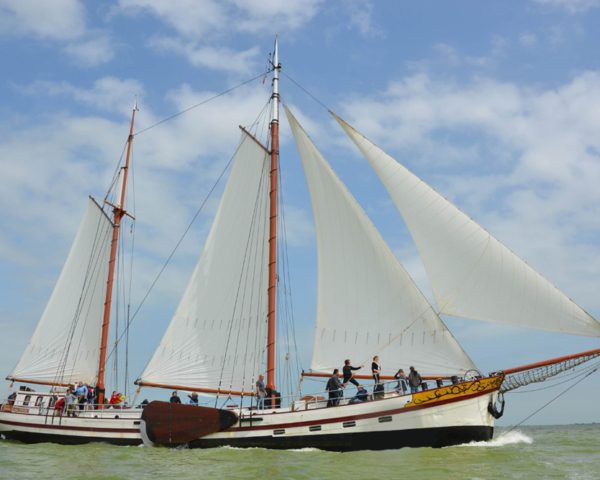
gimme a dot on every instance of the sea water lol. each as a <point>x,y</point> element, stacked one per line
<point>553,452</point>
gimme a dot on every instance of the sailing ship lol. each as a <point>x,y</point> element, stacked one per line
<point>367,305</point>
<point>69,344</point>
<point>223,332</point>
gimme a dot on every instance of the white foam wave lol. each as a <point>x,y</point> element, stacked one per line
<point>305,449</point>
<point>509,438</point>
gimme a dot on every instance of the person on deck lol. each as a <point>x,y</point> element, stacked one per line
<point>347,371</point>
<point>70,402</point>
<point>376,370</point>
<point>361,395</point>
<point>114,399</point>
<point>414,380</point>
<point>59,406</point>
<point>260,392</point>
<point>175,398</point>
<point>334,388</point>
<point>402,386</point>
<point>81,393</point>
<point>193,399</point>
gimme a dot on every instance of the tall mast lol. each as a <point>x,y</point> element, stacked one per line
<point>273,221</point>
<point>118,213</point>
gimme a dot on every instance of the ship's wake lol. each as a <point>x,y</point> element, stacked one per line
<point>502,440</point>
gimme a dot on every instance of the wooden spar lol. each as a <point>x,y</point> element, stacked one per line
<point>273,224</point>
<point>195,389</point>
<point>37,382</point>
<point>118,212</point>
<point>552,361</point>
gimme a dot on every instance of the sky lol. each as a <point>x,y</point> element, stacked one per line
<point>494,104</point>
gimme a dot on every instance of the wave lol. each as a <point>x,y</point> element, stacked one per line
<point>509,438</point>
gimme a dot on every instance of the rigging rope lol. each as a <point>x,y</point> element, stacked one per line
<point>553,399</point>
<point>203,102</point>
<point>170,256</point>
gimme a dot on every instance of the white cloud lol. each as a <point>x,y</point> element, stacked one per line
<point>528,39</point>
<point>361,17</point>
<point>256,15</point>
<point>190,18</point>
<point>199,24</point>
<point>91,52</point>
<point>216,58</point>
<point>59,21</point>
<point>107,94</point>
<point>56,20</point>
<point>571,6</point>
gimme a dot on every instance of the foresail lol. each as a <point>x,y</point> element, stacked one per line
<point>65,345</point>
<point>366,302</point>
<point>472,274</point>
<point>217,336</point>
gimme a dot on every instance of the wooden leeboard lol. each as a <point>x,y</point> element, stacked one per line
<point>175,423</point>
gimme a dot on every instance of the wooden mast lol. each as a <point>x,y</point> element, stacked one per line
<point>273,222</point>
<point>118,213</point>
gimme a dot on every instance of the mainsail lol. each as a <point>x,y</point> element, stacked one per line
<point>65,345</point>
<point>216,339</point>
<point>367,304</point>
<point>472,274</point>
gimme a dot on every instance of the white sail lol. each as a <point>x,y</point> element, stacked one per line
<point>65,347</point>
<point>366,302</point>
<point>217,337</point>
<point>473,275</point>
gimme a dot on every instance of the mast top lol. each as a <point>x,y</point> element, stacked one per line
<point>275,94</point>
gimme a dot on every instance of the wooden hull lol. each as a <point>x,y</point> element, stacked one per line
<point>435,418</point>
<point>37,428</point>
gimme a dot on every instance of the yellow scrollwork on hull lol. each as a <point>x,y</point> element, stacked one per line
<point>463,389</point>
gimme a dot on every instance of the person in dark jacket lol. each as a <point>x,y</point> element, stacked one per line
<point>376,370</point>
<point>175,398</point>
<point>347,371</point>
<point>414,380</point>
<point>334,388</point>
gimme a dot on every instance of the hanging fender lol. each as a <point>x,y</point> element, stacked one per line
<point>493,410</point>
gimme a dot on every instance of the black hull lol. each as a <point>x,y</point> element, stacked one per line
<point>28,437</point>
<point>346,442</point>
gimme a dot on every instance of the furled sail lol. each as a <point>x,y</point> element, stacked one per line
<point>217,336</point>
<point>65,346</point>
<point>472,274</point>
<point>366,302</point>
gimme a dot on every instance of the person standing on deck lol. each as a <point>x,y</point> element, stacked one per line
<point>260,392</point>
<point>334,388</point>
<point>376,370</point>
<point>347,371</point>
<point>414,380</point>
<point>175,398</point>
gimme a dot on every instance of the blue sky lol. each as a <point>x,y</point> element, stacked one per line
<point>495,104</point>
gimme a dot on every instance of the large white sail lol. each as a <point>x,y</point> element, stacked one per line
<point>473,275</point>
<point>217,336</point>
<point>65,347</point>
<point>366,302</point>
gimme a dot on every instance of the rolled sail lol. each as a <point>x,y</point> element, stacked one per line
<point>472,274</point>
<point>65,347</point>
<point>367,304</point>
<point>216,339</point>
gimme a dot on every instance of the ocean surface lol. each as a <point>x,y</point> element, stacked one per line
<point>561,452</point>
